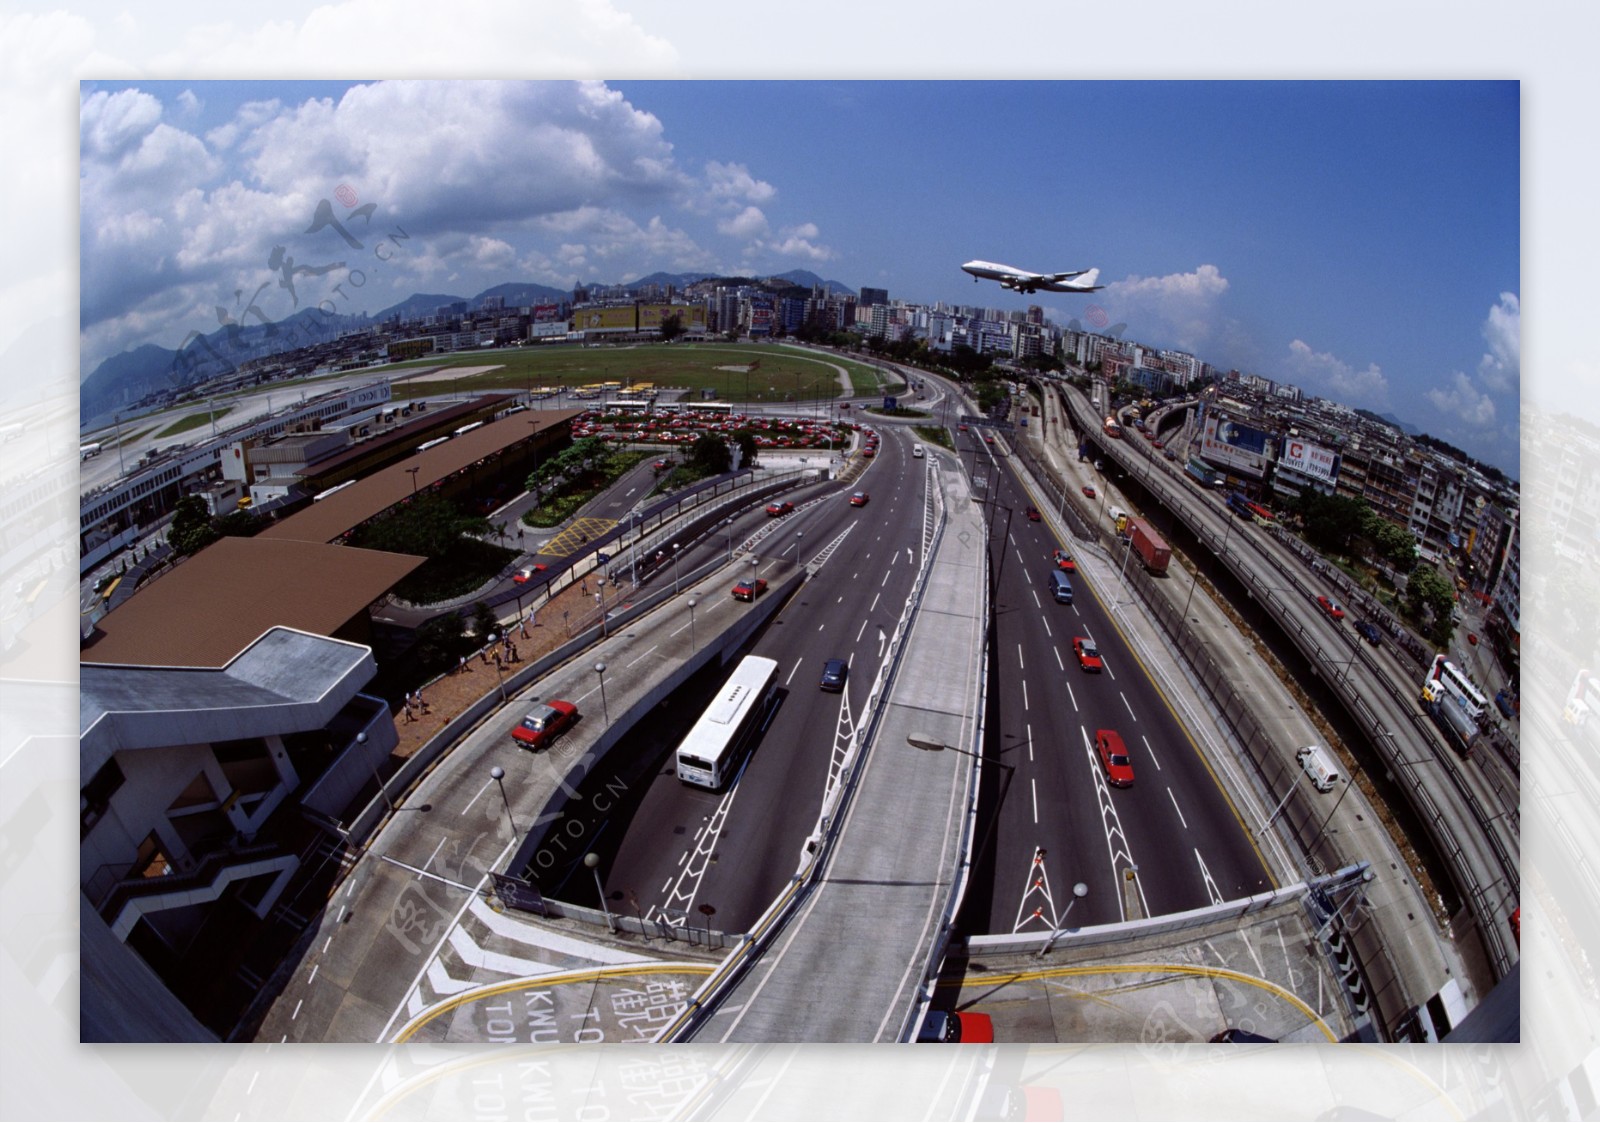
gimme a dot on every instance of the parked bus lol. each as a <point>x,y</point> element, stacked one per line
<point>710,755</point>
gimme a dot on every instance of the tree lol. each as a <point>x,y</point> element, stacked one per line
<point>710,454</point>
<point>483,622</point>
<point>428,526</point>
<point>1390,541</point>
<point>239,524</point>
<point>191,529</point>
<point>672,327</point>
<point>1429,591</point>
<point>746,440</point>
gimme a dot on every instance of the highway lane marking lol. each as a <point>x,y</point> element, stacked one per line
<point>1021,666</point>
<point>1029,580</point>
<point>1037,603</point>
<point>862,629</point>
<point>1046,624</point>
<point>1033,785</point>
<point>1024,693</point>
<point>1129,708</point>
<point>1059,663</point>
<point>296,1013</point>
<point>649,651</point>
<point>1151,751</point>
<point>311,978</point>
<point>792,673</point>
<point>1029,728</point>
<point>1072,696</point>
<point>1211,888</point>
<point>885,580</point>
<point>1178,809</point>
<point>873,607</point>
<point>473,800</point>
<point>434,855</point>
<point>424,873</point>
<point>325,944</point>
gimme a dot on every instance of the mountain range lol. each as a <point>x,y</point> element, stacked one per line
<point>126,378</point>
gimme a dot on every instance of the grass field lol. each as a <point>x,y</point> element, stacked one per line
<point>785,374</point>
<point>193,421</point>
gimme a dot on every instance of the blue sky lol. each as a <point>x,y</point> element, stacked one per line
<point>1358,239</point>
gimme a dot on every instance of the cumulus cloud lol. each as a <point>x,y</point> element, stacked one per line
<point>799,241</point>
<point>1500,369</point>
<point>189,104</point>
<point>1462,401</point>
<point>734,183</point>
<point>1178,307</point>
<point>1329,376</point>
<point>748,223</point>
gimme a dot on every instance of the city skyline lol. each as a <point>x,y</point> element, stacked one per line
<point>1359,240</point>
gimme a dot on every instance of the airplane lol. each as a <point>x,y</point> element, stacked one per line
<point>1020,281</point>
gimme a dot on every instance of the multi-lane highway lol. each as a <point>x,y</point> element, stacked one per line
<point>683,848</point>
<point>1172,841</point>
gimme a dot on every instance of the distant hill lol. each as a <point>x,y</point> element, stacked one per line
<point>678,280</point>
<point>519,294</point>
<point>123,379</point>
<point>419,304</point>
<point>1390,420</point>
<point>807,279</point>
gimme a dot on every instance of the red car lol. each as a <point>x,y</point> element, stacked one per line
<point>1472,638</point>
<point>1331,608</point>
<point>543,725</point>
<point>1114,755</point>
<point>750,590</point>
<point>987,439</point>
<point>869,452</point>
<point>1088,654</point>
<point>777,509</point>
<point>525,574</point>
<point>1033,514</point>
<point>961,428</point>
<point>1064,561</point>
<point>1088,491</point>
<point>859,499</point>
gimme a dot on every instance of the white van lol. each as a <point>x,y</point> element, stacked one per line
<point>916,450</point>
<point>1319,765</point>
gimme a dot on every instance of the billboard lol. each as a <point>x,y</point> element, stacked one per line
<point>624,318</point>
<point>692,316</point>
<point>1242,448</point>
<point>551,329</point>
<point>1309,459</point>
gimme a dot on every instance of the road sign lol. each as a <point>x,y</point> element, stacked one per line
<point>515,893</point>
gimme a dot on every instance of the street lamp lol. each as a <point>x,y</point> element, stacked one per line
<point>592,860</point>
<point>1079,891</point>
<point>600,669</point>
<point>499,775</point>
<point>361,739</point>
<point>414,472</point>
<point>675,549</point>
<point>499,671</point>
<point>600,599</point>
<point>693,646</point>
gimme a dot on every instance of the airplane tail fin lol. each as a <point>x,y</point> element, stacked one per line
<point>1086,281</point>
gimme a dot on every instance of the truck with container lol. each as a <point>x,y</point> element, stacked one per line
<point>1112,427</point>
<point>1202,473</point>
<point>1450,714</point>
<point>1150,546</point>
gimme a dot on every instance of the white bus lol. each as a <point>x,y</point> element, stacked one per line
<point>1447,675</point>
<point>709,756</point>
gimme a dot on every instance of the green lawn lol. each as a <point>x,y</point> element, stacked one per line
<point>193,421</point>
<point>786,374</point>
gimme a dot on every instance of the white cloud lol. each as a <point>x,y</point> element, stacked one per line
<point>734,183</point>
<point>1500,369</point>
<point>1178,308</point>
<point>748,223</point>
<point>189,103</point>
<point>799,241</point>
<point>1462,401</point>
<point>246,119</point>
<point>1329,376</point>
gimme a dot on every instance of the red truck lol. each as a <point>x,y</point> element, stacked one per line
<point>1150,546</point>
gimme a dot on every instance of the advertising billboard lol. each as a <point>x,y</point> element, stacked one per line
<point>1309,459</point>
<point>1242,448</point>
<point>623,318</point>
<point>691,316</point>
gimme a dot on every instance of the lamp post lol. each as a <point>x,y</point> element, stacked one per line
<point>361,739</point>
<point>693,646</point>
<point>414,472</point>
<point>600,599</point>
<point>675,548</point>
<point>605,710</point>
<point>1079,891</point>
<point>499,775</point>
<point>592,860</point>
<point>499,671</point>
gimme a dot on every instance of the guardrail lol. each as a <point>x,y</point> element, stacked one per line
<point>819,846</point>
<point>1440,829</point>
